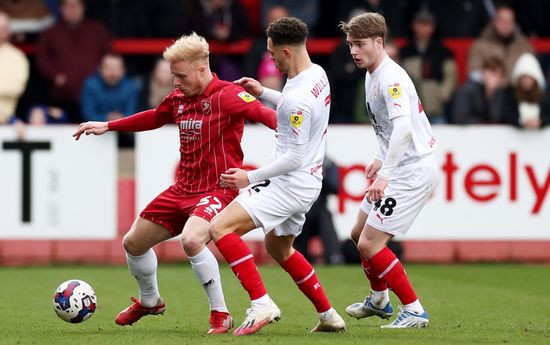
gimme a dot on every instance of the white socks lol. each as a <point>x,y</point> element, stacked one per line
<point>207,271</point>
<point>263,302</point>
<point>379,298</point>
<point>324,316</point>
<point>144,269</point>
<point>414,307</point>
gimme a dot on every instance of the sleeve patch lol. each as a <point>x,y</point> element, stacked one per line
<point>394,91</point>
<point>296,119</point>
<point>245,96</point>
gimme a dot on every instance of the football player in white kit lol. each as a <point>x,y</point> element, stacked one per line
<point>283,191</point>
<point>404,172</point>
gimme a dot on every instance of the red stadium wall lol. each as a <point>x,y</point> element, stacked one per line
<point>42,252</point>
<point>316,46</point>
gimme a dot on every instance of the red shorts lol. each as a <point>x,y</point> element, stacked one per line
<point>172,209</point>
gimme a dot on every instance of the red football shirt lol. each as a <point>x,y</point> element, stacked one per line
<point>210,128</point>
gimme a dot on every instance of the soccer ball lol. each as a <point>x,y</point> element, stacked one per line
<point>74,301</point>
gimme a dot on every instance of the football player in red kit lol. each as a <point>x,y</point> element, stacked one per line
<point>210,115</point>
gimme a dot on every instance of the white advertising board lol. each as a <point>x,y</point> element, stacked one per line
<point>494,180</point>
<point>53,187</point>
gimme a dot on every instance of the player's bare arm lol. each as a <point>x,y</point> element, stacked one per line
<point>235,178</point>
<point>252,86</point>
<point>91,127</point>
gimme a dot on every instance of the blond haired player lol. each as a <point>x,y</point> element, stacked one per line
<point>210,115</point>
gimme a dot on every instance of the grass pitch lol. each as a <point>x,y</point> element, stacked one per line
<point>468,304</point>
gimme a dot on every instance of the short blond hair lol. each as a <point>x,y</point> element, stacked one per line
<point>366,25</point>
<point>187,48</point>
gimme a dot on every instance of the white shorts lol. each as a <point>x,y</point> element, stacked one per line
<point>404,197</point>
<point>275,204</point>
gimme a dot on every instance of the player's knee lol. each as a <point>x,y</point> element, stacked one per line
<point>216,229</point>
<point>133,246</point>
<point>192,243</point>
<point>277,253</point>
<point>364,245</point>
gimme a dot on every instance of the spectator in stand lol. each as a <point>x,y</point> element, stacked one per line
<point>482,102</point>
<point>258,63</point>
<point>40,115</point>
<point>14,72</point>
<point>27,18</point>
<point>160,84</point>
<point>431,66</point>
<point>109,95</point>
<point>460,18</point>
<point>221,21</point>
<point>502,39</point>
<point>319,220</point>
<point>529,104</point>
<point>258,51</point>
<point>68,52</point>
<point>306,10</point>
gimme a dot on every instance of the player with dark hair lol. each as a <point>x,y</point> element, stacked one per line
<point>210,115</point>
<point>283,191</point>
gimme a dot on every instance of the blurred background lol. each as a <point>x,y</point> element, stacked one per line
<point>481,68</point>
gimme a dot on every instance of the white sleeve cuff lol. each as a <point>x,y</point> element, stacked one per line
<point>290,160</point>
<point>270,95</point>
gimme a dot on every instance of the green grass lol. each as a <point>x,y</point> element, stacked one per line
<point>468,304</point>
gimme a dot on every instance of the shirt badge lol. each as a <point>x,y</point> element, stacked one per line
<point>245,96</point>
<point>296,119</point>
<point>395,91</point>
<point>206,106</point>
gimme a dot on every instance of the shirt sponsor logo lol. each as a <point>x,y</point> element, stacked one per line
<point>190,129</point>
<point>296,119</point>
<point>395,91</point>
<point>245,96</point>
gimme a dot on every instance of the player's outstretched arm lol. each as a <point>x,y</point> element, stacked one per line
<point>91,127</point>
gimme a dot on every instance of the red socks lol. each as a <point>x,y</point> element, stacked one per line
<point>304,276</point>
<point>241,261</point>
<point>385,266</point>
<point>375,283</point>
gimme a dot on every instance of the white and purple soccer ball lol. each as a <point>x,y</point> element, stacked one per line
<point>74,301</point>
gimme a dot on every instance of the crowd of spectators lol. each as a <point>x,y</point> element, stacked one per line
<point>73,74</point>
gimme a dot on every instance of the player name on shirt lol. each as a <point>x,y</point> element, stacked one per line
<point>319,86</point>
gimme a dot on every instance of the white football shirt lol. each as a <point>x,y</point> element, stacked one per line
<point>390,93</point>
<point>302,118</point>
